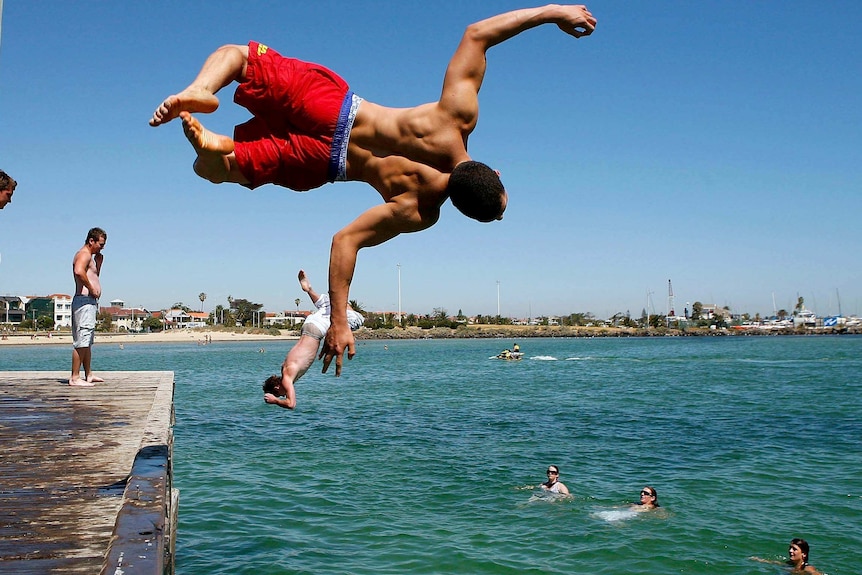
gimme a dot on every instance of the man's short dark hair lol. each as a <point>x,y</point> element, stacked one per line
<point>96,234</point>
<point>271,383</point>
<point>476,190</point>
<point>6,182</point>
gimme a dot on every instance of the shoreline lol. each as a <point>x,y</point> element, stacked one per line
<point>364,334</point>
<point>169,336</point>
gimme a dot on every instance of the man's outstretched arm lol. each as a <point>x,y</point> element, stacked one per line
<point>373,227</point>
<point>467,67</point>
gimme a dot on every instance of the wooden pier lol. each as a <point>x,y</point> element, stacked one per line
<point>86,474</point>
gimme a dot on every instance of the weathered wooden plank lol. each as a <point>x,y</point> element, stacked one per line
<point>65,456</point>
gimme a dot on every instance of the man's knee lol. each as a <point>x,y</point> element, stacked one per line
<point>237,57</point>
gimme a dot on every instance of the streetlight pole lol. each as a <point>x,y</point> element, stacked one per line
<point>400,321</point>
<point>498,298</point>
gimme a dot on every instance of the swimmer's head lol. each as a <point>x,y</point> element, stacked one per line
<point>476,190</point>
<point>273,385</point>
<point>802,544</point>
<point>650,494</point>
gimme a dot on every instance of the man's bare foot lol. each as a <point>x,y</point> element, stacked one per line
<point>78,382</point>
<point>303,281</point>
<point>189,100</point>
<point>94,379</point>
<point>202,140</point>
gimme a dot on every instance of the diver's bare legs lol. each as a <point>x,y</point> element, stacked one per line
<point>222,67</point>
<point>305,284</point>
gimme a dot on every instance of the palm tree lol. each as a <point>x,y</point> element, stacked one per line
<point>202,296</point>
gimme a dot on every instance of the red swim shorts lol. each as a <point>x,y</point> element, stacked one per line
<point>295,106</point>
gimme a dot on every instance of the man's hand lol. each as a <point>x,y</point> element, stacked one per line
<point>577,21</point>
<point>338,339</point>
<point>270,398</point>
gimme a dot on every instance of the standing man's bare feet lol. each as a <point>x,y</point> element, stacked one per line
<point>189,100</point>
<point>78,382</point>
<point>94,379</point>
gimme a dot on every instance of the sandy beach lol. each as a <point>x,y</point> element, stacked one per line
<point>169,336</point>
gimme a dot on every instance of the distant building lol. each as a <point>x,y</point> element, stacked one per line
<point>11,309</point>
<point>292,318</point>
<point>198,318</point>
<point>177,318</point>
<point>125,318</point>
<point>62,310</point>
<point>709,311</point>
<point>39,306</point>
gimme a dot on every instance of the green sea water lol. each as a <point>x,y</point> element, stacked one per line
<point>421,458</point>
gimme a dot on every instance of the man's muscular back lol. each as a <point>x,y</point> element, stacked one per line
<point>425,134</point>
<point>416,189</point>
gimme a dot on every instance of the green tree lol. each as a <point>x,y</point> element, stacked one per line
<point>45,322</point>
<point>245,310</point>
<point>696,310</point>
<point>575,319</point>
<point>152,324</point>
<point>357,307</point>
<point>202,296</point>
<point>103,321</point>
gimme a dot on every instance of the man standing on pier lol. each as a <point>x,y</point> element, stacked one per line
<point>86,267</point>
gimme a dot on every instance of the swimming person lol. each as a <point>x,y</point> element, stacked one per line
<point>553,483</point>
<point>302,354</point>
<point>648,500</point>
<point>308,129</point>
<point>797,551</point>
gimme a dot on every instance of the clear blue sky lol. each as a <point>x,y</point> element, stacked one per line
<point>712,143</point>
